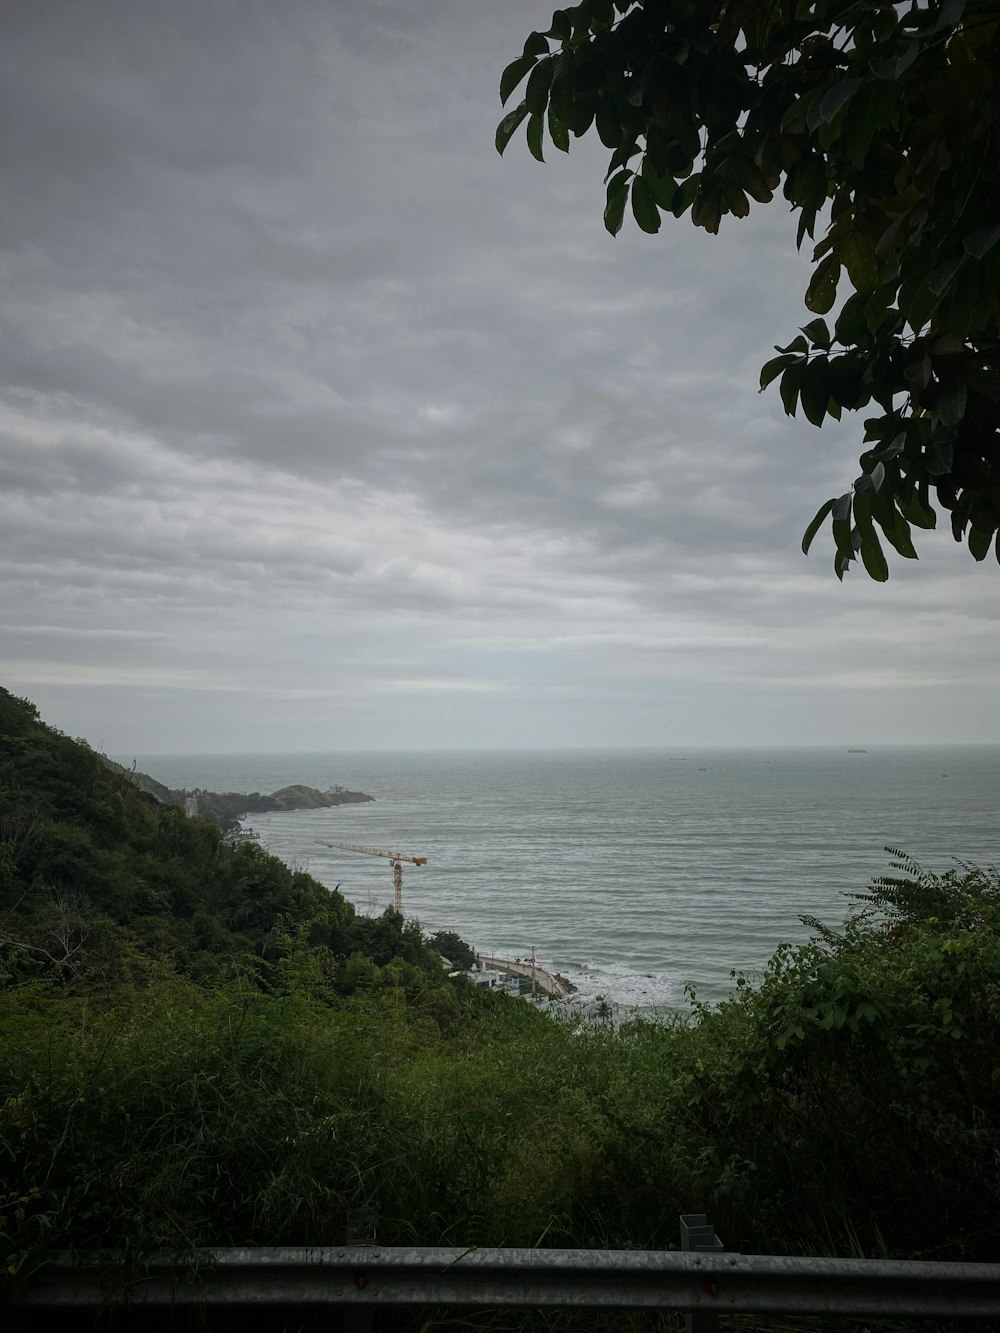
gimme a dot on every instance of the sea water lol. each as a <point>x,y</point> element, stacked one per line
<point>631,872</point>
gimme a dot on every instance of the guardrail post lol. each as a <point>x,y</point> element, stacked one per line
<point>697,1234</point>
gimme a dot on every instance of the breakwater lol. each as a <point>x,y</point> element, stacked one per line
<point>558,987</point>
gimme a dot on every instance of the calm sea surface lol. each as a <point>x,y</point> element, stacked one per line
<point>633,871</point>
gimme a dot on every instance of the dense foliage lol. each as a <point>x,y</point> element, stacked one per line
<point>877,121</point>
<point>200,1047</point>
<point>101,883</point>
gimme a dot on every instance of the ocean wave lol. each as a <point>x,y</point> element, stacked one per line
<point>624,987</point>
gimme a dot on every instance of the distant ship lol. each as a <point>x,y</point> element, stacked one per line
<point>854,749</point>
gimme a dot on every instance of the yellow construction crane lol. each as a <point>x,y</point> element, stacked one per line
<point>395,859</point>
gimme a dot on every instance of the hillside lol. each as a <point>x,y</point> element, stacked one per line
<point>199,1046</point>
<point>101,877</point>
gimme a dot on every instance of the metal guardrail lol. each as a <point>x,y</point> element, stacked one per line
<point>704,1282</point>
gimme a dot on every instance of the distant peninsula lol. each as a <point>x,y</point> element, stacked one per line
<point>226,808</point>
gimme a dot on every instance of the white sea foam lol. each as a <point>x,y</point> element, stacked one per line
<point>623,987</point>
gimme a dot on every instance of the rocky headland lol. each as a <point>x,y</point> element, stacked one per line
<point>227,808</point>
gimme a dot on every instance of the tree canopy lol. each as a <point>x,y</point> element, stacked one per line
<point>878,123</point>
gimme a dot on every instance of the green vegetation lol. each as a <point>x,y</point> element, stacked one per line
<point>454,948</point>
<point>202,1047</point>
<point>879,123</point>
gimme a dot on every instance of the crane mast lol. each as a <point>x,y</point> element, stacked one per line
<point>395,859</point>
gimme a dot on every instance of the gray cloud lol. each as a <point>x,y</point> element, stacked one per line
<point>315,415</point>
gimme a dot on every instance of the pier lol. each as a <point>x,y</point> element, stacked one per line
<point>546,981</point>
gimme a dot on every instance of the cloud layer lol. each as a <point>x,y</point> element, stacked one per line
<point>322,426</point>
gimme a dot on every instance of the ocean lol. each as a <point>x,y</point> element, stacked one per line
<point>631,872</point>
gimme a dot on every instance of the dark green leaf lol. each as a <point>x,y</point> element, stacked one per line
<point>644,210</point>
<point>846,376</point>
<point>621,156</point>
<point>815,525</point>
<point>872,555</point>
<point>960,518</point>
<point>536,45</point>
<point>889,241</point>
<point>897,532</point>
<point>684,197</point>
<point>706,211</point>
<point>686,131</point>
<point>841,512</point>
<point>770,370</point>
<point>508,125</point>
<point>894,448</point>
<point>857,253</point>
<point>561,91</point>
<point>818,333</point>
<point>917,301</point>
<point>746,172</point>
<point>536,125</point>
<point>617,182</point>
<point>580,115</point>
<point>870,483</point>
<point>951,408</point>
<point>822,290</point>
<point>662,188</point>
<point>536,93</point>
<point>917,512</point>
<point>815,391</point>
<point>940,456</point>
<point>870,111</point>
<point>943,275</point>
<point>736,200</point>
<point>895,66</point>
<point>836,97</point>
<point>609,125</point>
<point>797,344</point>
<point>807,224</point>
<point>614,213</point>
<point>950,16</point>
<point>851,326</point>
<point>980,541</point>
<point>513,75</point>
<point>791,383</point>
<point>561,29</point>
<point>809,183</point>
<point>558,132</point>
<point>602,14</point>
<point>919,373</point>
<point>878,307</point>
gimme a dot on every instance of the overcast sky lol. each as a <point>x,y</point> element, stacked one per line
<point>323,427</point>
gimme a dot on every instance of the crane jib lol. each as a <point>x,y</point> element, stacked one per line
<point>395,859</point>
